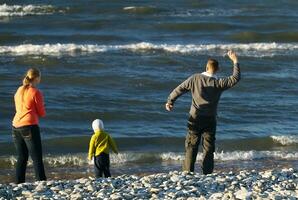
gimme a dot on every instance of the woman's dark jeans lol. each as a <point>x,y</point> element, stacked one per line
<point>27,140</point>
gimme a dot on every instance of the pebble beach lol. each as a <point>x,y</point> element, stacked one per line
<point>269,184</point>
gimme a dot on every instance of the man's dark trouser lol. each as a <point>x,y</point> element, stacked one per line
<point>102,165</point>
<point>202,127</point>
<point>27,139</point>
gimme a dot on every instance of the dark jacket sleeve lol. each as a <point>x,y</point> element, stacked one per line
<point>226,83</point>
<point>184,87</point>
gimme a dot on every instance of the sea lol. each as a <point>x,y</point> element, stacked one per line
<point>119,60</point>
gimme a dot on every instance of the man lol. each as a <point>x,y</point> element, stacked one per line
<point>206,90</point>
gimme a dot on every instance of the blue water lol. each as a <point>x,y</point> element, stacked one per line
<point>119,61</point>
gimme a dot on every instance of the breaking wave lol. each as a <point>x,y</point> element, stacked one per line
<point>286,139</point>
<point>238,155</point>
<point>23,10</point>
<point>250,49</point>
<point>141,9</point>
<point>206,12</point>
<point>130,157</point>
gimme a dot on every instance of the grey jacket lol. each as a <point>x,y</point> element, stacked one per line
<point>206,92</point>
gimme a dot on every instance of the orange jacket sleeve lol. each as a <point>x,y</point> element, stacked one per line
<point>40,108</point>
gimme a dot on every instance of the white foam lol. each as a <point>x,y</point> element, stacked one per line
<point>50,49</point>
<point>286,139</point>
<point>66,160</point>
<point>23,10</point>
<point>229,12</point>
<point>172,156</point>
<point>134,8</point>
<point>249,49</point>
<point>130,8</point>
<point>81,159</point>
<point>237,155</point>
<point>121,158</point>
<point>126,157</point>
<point>206,12</point>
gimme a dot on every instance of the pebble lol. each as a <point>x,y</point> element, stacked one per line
<point>76,196</point>
<point>40,188</point>
<point>216,196</point>
<point>243,193</point>
<point>116,196</point>
<point>90,188</point>
<point>55,189</point>
<point>175,178</point>
<point>154,190</point>
<point>270,184</point>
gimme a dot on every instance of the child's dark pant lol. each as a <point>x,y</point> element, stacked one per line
<point>102,165</point>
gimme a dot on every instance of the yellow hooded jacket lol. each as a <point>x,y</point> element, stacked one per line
<point>100,142</point>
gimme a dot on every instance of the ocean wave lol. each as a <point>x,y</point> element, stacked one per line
<point>141,9</point>
<point>130,157</point>
<point>194,26</point>
<point>238,155</point>
<point>230,12</point>
<point>207,12</point>
<point>23,10</point>
<point>253,36</point>
<point>249,49</point>
<point>80,159</point>
<point>286,139</point>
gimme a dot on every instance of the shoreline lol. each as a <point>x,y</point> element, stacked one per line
<point>71,172</point>
<point>268,184</point>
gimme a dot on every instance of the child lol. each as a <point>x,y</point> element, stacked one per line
<point>99,148</point>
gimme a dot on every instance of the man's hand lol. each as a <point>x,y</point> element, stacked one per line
<point>169,107</point>
<point>232,55</point>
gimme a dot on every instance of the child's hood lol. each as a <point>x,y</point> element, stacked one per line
<point>97,125</point>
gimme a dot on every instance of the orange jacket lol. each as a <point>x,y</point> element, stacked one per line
<point>29,106</point>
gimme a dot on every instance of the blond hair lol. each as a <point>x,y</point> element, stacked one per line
<point>28,80</point>
<point>30,76</point>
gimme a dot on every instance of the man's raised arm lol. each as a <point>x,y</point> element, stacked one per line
<point>226,83</point>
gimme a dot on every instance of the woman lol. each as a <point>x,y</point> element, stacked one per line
<point>29,106</point>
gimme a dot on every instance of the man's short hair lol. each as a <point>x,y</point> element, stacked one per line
<point>212,64</point>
